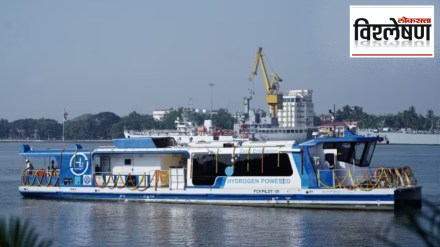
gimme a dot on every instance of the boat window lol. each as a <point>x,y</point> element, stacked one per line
<point>329,145</point>
<point>105,163</point>
<point>127,162</point>
<point>359,151</point>
<point>345,150</point>
<point>369,153</point>
<point>364,153</point>
<point>206,168</point>
<point>164,142</point>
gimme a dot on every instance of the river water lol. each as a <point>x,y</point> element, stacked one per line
<point>90,223</point>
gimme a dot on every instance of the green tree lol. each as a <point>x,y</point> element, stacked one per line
<point>133,121</point>
<point>24,128</point>
<point>169,120</point>
<point>409,117</point>
<point>4,129</point>
<point>104,122</point>
<point>49,129</point>
<point>81,128</point>
<point>350,113</point>
<point>200,117</point>
<point>223,119</point>
<point>430,121</point>
<point>117,130</point>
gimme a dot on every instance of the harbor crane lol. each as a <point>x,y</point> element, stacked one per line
<point>274,97</point>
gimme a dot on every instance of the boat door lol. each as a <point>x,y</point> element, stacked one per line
<point>105,163</point>
<point>325,173</point>
<point>330,156</point>
<point>177,178</point>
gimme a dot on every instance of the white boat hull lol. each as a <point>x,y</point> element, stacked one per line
<point>301,199</point>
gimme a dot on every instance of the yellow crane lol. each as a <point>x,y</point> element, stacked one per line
<point>274,98</point>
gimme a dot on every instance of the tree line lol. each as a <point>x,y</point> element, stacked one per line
<point>407,119</point>
<point>107,125</point>
<point>102,126</point>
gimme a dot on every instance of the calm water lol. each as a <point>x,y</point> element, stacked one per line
<point>71,223</point>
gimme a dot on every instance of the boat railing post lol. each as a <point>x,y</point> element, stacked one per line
<point>156,181</point>
<point>333,177</point>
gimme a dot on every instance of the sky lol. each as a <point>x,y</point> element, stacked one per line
<point>124,56</point>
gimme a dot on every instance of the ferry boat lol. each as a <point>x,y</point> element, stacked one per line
<point>327,172</point>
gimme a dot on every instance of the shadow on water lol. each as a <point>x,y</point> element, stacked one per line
<point>424,224</point>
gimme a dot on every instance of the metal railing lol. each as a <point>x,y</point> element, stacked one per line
<point>156,179</point>
<point>366,178</point>
<point>42,178</point>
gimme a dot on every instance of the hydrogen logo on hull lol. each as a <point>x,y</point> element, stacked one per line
<point>79,163</point>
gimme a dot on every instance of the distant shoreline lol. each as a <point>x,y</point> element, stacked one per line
<point>53,141</point>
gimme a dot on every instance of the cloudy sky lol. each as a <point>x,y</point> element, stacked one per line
<point>124,56</point>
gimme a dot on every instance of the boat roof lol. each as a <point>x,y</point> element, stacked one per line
<point>348,137</point>
<point>26,150</point>
<point>154,145</point>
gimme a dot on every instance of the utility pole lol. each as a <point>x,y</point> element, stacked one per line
<point>212,86</point>
<point>333,118</point>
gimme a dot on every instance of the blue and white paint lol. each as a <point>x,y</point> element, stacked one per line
<point>330,172</point>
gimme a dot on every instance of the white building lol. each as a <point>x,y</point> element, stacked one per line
<point>297,109</point>
<point>160,113</point>
<point>201,111</point>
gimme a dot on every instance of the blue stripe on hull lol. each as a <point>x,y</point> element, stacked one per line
<point>212,197</point>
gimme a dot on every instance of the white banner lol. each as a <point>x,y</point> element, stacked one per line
<point>392,31</point>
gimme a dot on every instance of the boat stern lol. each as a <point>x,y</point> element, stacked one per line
<point>408,197</point>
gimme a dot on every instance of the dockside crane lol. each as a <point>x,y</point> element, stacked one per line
<point>274,97</point>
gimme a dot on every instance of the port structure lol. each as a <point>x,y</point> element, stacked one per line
<point>274,98</point>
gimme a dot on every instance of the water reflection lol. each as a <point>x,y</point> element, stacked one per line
<point>120,223</point>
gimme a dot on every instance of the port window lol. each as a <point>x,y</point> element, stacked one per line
<point>127,162</point>
<point>206,169</point>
